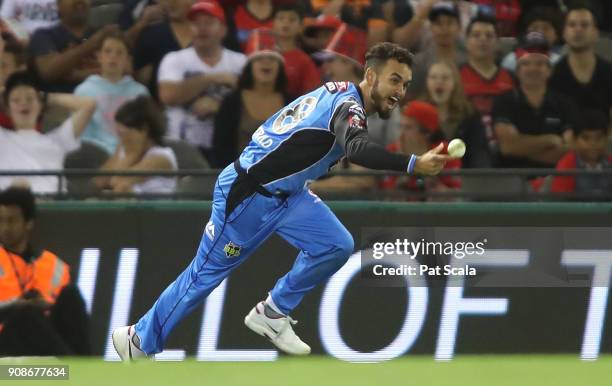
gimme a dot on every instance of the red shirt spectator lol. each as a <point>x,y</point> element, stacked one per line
<point>506,12</point>
<point>481,91</point>
<point>590,145</point>
<point>245,22</point>
<point>420,131</point>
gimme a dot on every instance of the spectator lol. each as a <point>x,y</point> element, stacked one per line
<point>420,132</point>
<point>547,21</point>
<point>63,55</point>
<point>481,77</point>
<point>589,153</point>
<point>30,14</point>
<point>111,88</point>
<point>445,29</point>
<point>415,26</point>
<point>457,116</point>
<point>505,14</point>
<point>158,39</point>
<point>581,75</point>
<point>25,148</point>
<point>532,123</point>
<point>318,33</point>
<point>194,81</point>
<point>40,312</point>
<point>12,59</point>
<point>137,15</point>
<point>260,94</point>
<point>366,16</point>
<point>250,16</point>
<point>141,128</point>
<point>302,74</point>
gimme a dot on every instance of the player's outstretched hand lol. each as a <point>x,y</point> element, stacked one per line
<point>432,162</point>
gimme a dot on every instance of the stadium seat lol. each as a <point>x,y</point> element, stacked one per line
<point>188,157</point>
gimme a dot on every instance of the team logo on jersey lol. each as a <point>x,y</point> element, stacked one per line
<point>356,117</point>
<point>292,115</point>
<point>334,87</point>
<point>210,230</point>
<point>231,249</point>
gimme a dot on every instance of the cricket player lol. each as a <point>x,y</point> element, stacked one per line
<point>265,191</point>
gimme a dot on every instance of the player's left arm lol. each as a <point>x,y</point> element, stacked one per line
<point>350,127</point>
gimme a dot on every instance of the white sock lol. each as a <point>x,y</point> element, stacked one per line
<point>272,305</point>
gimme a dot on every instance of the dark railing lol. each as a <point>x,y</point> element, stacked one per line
<point>477,185</point>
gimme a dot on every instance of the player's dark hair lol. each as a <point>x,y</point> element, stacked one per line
<point>591,120</point>
<point>247,81</point>
<point>142,113</point>
<point>484,19</point>
<point>290,7</point>
<point>22,198</point>
<point>380,53</point>
<point>19,79</point>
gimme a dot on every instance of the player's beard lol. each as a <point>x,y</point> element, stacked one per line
<point>378,102</point>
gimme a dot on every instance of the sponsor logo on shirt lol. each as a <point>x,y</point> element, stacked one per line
<point>231,250</point>
<point>210,230</point>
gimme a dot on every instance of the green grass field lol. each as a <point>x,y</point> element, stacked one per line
<point>519,370</point>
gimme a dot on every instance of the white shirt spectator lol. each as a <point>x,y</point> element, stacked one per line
<point>180,65</point>
<point>32,150</point>
<point>159,184</point>
<point>30,14</point>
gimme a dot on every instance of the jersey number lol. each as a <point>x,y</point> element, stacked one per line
<point>291,116</point>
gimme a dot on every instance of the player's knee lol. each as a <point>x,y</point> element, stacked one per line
<point>345,245</point>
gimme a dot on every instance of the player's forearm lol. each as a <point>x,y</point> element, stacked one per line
<point>373,156</point>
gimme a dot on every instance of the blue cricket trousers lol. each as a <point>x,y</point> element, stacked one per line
<point>301,218</point>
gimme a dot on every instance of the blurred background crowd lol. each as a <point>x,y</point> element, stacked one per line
<point>171,85</point>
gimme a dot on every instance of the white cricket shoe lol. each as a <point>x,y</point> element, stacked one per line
<point>278,330</point>
<point>125,347</point>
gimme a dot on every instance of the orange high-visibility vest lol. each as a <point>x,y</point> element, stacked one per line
<point>46,273</point>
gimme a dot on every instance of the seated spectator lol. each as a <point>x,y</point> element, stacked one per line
<point>457,116</point>
<point>581,75</point>
<point>505,13</point>
<point>481,77</point>
<point>251,15</point>
<point>111,88</point>
<point>25,148</point>
<point>420,132</point>
<point>318,33</point>
<point>194,81</point>
<point>141,129</point>
<point>445,28</point>
<point>30,14</point>
<point>12,59</point>
<point>302,74</point>
<point>41,313</point>
<point>532,123</point>
<point>260,94</point>
<point>64,55</point>
<point>365,15</point>
<point>156,40</point>
<point>412,17</point>
<point>547,21</point>
<point>589,153</point>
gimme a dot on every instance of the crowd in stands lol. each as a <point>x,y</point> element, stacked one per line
<point>130,85</point>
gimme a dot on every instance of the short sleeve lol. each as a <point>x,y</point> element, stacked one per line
<point>42,43</point>
<point>165,152</point>
<point>64,136</point>
<point>170,69</point>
